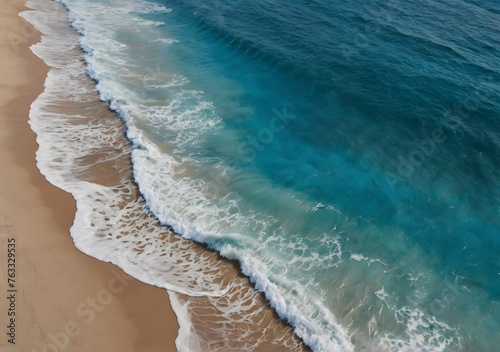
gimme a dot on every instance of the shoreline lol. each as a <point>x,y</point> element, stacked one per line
<point>64,299</point>
<point>103,165</point>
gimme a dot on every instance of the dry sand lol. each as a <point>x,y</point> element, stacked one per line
<point>64,300</point>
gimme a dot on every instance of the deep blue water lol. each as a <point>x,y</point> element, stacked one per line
<point>347,153</point>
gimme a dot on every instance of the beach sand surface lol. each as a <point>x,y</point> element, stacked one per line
<point>63,299</point>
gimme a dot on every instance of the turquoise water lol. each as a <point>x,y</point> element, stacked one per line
<point>347,154</point>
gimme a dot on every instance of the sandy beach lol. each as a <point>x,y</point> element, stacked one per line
<point>60,299</point>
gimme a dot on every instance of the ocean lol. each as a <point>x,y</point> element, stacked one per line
<point>346,154</point>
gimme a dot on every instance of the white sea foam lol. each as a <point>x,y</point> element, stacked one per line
<point>360,257</point>
<point>185,341</point>
<point>423,332</point>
